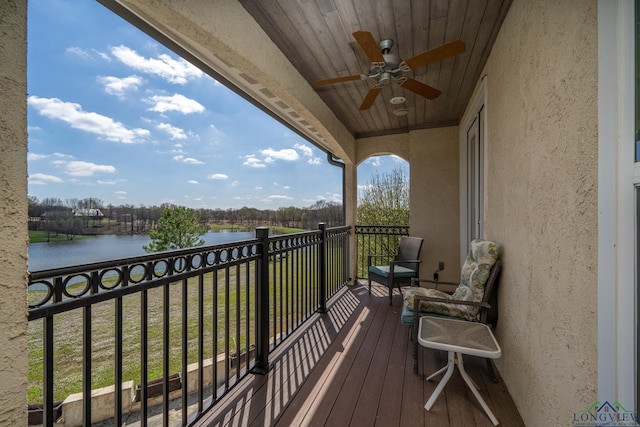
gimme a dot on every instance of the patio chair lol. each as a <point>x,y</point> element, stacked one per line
<point>474,300</point>
<point>401,270</point>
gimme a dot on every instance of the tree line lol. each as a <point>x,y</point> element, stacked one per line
<point>62,216</point>
<point>384,200</point>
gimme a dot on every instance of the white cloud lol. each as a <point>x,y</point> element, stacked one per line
<point>218,176</point>
<point>62,156</point>
<point>336,197</point>
<point>305,149</point>
<point>189,160</point>
<point>192,181</point>
<point>287,154</point>
<point>33,156</point>
<point>253,161</point>
<point>43,179</point>
<point>121,192</point>
<point>102,55</point>
<point>280,197</point>
<point>175,132</point>
<point>175,102</point>
<point>375,161</point>
<point>175,71</point>
<point>80,168</point>
<point>98,124</point>
<point>106,182</point>
<point>81,53</point>
<point>119,86</point>
<point>307,152</point>
<point>87,54</point>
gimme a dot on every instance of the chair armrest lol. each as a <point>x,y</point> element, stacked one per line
<point>418,298</point>
<point>416,282</point>
<point>405,261</point>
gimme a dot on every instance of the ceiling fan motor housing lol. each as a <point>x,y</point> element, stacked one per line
<point>389,71</point>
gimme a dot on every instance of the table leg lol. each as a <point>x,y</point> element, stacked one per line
<point>450,365</point>
<point>438,372</point>
<point>472,385</point>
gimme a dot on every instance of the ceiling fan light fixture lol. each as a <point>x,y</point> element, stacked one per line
<point>400,112</point>
<point>397,100</point>
<point>385,78</point>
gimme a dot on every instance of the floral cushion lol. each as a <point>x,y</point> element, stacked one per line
<point>475,272</point>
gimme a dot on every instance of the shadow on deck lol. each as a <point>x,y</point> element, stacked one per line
<point>353,367</point>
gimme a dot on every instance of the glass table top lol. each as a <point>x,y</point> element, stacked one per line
<point>459,336</point>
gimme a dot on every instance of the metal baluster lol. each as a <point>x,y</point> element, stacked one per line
<point>118,362</point>
<point>201,341</point>
<point>165,357</point>
<point>48,371</point>
<point>144,355</point>
<point>185,346</point>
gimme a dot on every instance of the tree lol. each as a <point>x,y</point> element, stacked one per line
<point>178,227</point>
<point>385,200</point>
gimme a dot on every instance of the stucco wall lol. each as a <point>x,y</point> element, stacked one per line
<point>13,213</point>
<point>541,204</point>
<point>434,191</point>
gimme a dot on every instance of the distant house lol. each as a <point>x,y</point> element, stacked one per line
<point>90,213</point>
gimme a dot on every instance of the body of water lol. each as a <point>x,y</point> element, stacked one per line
<point>44,256</point>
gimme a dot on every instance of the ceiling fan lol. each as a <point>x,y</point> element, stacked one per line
<point>386,67</point>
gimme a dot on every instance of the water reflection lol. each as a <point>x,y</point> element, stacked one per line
<point>43,256</point>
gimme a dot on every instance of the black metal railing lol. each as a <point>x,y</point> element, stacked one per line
<point>376,240</point>
<point>223,308</point>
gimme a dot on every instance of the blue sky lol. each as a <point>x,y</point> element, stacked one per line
<point>114,115</point>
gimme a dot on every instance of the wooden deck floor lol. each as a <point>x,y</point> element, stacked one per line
<point>353,367</point>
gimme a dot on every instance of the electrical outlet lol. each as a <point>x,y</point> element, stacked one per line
<point>441,265</point>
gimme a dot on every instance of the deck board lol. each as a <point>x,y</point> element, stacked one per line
<point>353,367</point>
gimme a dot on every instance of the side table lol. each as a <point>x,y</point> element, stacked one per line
<point>458,337</point>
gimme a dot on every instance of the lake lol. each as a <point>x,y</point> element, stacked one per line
<point>43,256</point>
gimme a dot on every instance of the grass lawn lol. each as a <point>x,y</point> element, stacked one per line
<point>273,230</point>
<point>68,328</point>
<point>37,236</point>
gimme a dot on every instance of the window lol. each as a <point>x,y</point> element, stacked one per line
<point>475,181</point>
<point>472,194</point>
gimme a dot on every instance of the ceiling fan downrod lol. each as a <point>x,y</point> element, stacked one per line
<point>389,70</point>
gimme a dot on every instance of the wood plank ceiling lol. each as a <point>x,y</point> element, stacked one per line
<point>316,36</point>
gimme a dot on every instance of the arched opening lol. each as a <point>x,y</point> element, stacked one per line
<point>383,191</point>
<point>382,207</point>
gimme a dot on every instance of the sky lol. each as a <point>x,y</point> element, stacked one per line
<point>114,115</point>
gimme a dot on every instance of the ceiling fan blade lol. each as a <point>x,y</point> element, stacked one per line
<point>337,80</point>
<point>371,96</point>
<point>369,45</point>
<point>437,54</point>
<point>420,88</point>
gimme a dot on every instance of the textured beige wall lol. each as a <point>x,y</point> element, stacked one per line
<point>541,204</point>
<point>434,191</point>
<point>13,213</point>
